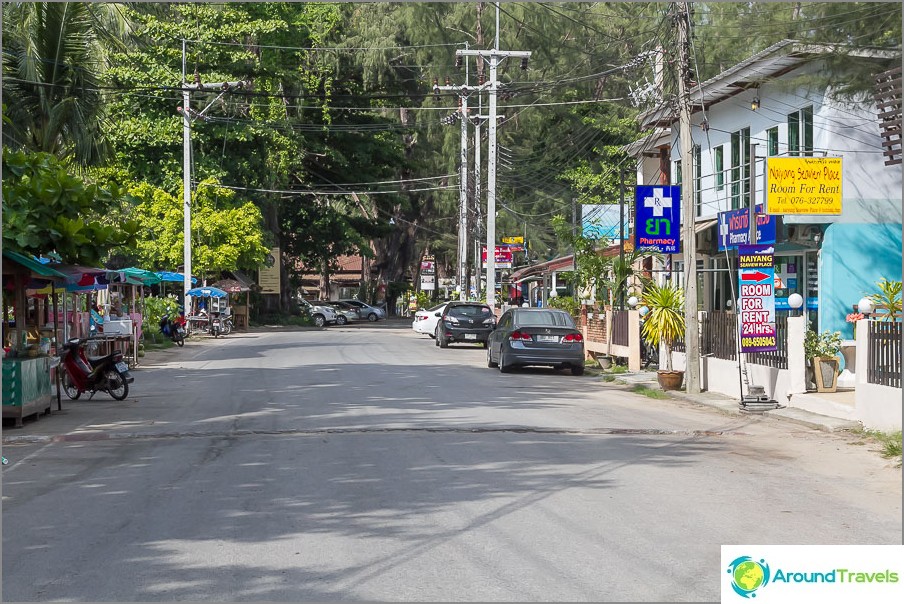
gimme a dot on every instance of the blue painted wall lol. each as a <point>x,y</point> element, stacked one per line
<point>854,257</point>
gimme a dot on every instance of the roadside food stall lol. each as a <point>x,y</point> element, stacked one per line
<point>205,301</point>
<point>124,311</point>
<point>239,311</point>
<point>30,335</point>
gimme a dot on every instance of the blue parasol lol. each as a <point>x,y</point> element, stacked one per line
<point>206,292</point>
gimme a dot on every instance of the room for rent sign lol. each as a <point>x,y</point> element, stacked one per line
<point>803,185</point>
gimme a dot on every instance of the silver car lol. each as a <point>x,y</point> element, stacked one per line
<point>371,313</point>
<point>321,315</point>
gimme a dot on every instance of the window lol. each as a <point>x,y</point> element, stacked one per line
<point>800,132</point>
<point>772,141</point>
<point>698,184</point>
<point>740,167</point>
<point>720,167</point>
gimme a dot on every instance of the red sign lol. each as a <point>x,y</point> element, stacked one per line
<point>503,257</point>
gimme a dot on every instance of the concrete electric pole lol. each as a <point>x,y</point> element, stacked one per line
<point>187,115</point>
<point>494,57</point>
<point>692,330</point>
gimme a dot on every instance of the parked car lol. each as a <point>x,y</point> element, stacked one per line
<point>425,320</point>
<point>344,314</point>
<point>371,313</point>
<point>320,314</point>
<point>536,336</point>
<point>464,322</point>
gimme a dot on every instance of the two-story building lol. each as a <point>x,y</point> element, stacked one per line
<point>774,100</point>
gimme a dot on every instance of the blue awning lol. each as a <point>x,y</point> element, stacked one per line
<point>174,277</point>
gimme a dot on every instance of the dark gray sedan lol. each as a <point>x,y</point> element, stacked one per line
<point>536,336</point>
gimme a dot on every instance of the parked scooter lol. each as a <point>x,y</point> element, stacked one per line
<point>80,374</point>
<point>173,328</point>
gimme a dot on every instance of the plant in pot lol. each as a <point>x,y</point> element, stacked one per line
<point>821,349</point>
<point>664,323</point>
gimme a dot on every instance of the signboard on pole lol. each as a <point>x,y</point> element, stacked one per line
<point>518,239</point>
<point>503,257</point>
<point>734,228</point>
<point>428,282</point>
<point>600,221</point>
<point>657,218</point>
<point>268,274</point>
<point>803,185</point>
<point>756,276</point>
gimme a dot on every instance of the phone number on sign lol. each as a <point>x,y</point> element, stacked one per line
<point>757,342</point>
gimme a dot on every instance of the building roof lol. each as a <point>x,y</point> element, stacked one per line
<point>770,63</point>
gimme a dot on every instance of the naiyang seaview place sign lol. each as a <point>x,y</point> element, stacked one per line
<point>657,218</point>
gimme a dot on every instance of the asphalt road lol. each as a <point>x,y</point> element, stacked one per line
<point>363,463</point>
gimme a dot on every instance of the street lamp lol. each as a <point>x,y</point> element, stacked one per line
<point>795,301</point>
<point>865,306</point>
<point>632,301</point>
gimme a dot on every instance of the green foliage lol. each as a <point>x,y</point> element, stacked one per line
<point>888,299</point>
<point>154,309</point>
<point>591,266</point>
<point>665,321</point>
<point>46,209</point>
<point>624,277</point>
<point>567,303</point>
<point>227,233</point>
<point>826,344</point>
<point>649,392</point>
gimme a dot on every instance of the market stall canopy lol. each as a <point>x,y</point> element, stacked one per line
<point>34,266</point>
<point>173,277</point>
<point>206,292</point>
<point>231,286</point>
<point>81,278</point>
<point>135,276</point>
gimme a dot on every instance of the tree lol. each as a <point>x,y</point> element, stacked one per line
<point>46,209</point>
<point>53,57</point>
<point>227,233</point>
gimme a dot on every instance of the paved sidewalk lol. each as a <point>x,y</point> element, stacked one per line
<point>731,406</point>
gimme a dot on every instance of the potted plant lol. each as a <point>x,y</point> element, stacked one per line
<point>822,351</point>
<point>664,323</point>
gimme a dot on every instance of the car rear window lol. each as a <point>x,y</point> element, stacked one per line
<point>543,318</point>
<point>469,311</point>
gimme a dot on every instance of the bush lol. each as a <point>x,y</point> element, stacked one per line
<point>566,303</point>
<point>154,308</point>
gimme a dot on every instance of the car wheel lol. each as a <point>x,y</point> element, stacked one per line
<point>436,337</point>
<point>577,370</point>
<point>443,342</point>
<point>341,320</point>
<point>319,320</point>
<point>503,367</point>
<point>372,317</point>
<point>490,362</point>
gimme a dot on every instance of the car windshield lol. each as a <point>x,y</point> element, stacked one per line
<point>468,311</point>
<point>543,318</point>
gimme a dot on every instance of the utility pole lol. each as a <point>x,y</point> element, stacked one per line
<point>478,144</point>
<point>692,330</point>
<point>494,57</point>
<point>187,114</point>
<point>621,235</point>
<point>751,222</point>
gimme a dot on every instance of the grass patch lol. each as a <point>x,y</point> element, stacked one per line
<point>608,378</point>
<point>889,442</point>
<point>160,344</point>
<point>616,369</point>
<point>278,319</point>
<point>649,392</point>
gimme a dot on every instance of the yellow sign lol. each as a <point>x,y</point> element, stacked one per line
<point>268,276</point>
<point>518,239</point>
<point>803,185</point>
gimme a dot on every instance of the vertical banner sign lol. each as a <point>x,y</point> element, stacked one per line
<point>756,275</point>
<point>657,219</point>
<point>268,275</point>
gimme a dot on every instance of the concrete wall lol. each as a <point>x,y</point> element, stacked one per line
<point>878,407</point>
<point>720,375</point>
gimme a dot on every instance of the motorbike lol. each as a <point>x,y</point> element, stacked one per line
<point>216,325</point>
<point>173,328</point>
<point>81,374</point>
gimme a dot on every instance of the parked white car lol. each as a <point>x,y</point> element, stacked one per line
<point>320,314</point>
<point>371,313</point>
<point>425,320</point>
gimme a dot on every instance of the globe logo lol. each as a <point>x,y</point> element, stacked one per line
<point>748,575</point>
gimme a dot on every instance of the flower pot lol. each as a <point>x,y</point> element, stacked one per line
<point>670,380</point>
<point>825,373</point>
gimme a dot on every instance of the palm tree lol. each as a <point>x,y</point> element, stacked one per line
<point>53,57</point>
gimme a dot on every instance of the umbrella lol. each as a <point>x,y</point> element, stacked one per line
<point>232,286</point>
<point>206,292</point>
<point>135,276</point>
<point>174,277</point>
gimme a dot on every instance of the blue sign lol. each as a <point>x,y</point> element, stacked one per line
<point>657,218</point>
<point>601,221</point>
<point>734,228</point>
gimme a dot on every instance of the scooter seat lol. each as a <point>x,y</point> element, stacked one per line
<point>97,360</point>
